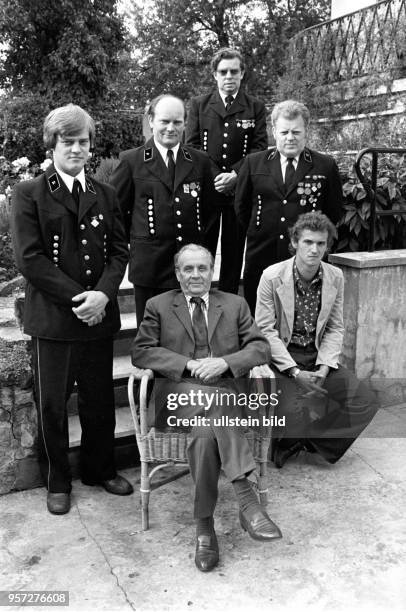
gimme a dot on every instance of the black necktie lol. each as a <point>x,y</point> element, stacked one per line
<point>199,329</point>
<point>289,173</point>
<point>229,101</point>
<point>171,166</point>
<point>76,190</point>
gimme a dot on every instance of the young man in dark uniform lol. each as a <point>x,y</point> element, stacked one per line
<point>70,245</point>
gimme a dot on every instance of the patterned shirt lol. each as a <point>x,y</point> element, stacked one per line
<point>307,308</point>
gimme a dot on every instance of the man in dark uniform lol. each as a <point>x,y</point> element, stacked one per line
<point>228,124</point>
<point>275,187</point>
<point>70,245</point>
<point>165,190</point>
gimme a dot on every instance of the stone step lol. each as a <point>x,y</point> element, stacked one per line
<point>123,339</point>
<point>124,426</point>
<point>126,295</point>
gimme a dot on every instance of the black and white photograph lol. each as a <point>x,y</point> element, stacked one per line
<point>203,305</point>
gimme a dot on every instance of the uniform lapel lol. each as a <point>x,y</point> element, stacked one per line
<point>238,105</point>
<point>217,104</point>
<point>184,164</point>
<point>181,310</point>
<point>59,190</point>
<point>303,168</point>
<point>275,171</point>
<point>87,199</point>
<point>154,163</point>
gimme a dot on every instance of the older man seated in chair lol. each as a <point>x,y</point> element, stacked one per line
<point>201,338</point>
<point>300,311</point>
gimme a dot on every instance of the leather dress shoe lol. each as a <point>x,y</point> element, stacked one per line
<point>117,486</point>
<point>58,503</point>
<point>259,526</point>
<point>207,552</point>
<point>281,455</point>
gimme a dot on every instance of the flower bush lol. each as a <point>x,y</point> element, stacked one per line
<point>13,172</point>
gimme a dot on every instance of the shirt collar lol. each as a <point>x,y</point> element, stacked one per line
<point>205,298</point>
<point>68,179</point>
<point>223,96</point>
<point>164,151</point>
<point>284,159</point>
<point>298,279</point>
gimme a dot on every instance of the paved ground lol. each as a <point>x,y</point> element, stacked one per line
<point>343,549</point>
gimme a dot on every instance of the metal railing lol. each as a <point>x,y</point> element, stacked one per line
<point>371,187</point>
<point>368,41</point>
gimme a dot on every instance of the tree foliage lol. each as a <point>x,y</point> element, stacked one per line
<point>175,39</point>
<point>61,49</point>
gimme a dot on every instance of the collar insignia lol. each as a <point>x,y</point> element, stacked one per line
<point>53,182</point>
<point>148,154</point>
<point>307,156</point>
<point>89,186</point>
<point>187,155</point>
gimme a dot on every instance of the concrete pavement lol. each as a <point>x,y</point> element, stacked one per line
<point>343,546</point>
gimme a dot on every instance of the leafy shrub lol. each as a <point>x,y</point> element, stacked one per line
<point>105,169</point>
<point>390,195</point>
<point>22,117</point>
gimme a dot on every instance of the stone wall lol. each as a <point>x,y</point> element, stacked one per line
<point>18,420</point>
<point>375,319</point>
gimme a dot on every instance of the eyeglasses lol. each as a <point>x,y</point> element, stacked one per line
<point>232,71</point>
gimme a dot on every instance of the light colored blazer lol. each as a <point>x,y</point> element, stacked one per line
<point>276,308</point>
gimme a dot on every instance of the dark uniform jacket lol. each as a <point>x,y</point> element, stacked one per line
<point>62,252</point>
<point>227,136</point>
<point>266,211</point>
<point>160,220</point>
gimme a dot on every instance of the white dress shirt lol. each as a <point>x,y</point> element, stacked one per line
<point>68,179</point>
<point>164,152</point>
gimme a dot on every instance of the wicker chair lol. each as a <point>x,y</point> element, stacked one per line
<point>160,449</point>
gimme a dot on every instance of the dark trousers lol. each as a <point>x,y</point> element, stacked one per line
<point>251,282</point>
<point>232,246</point>
<point>254,266</point>
<point>57,365</point>
<point>329,425</point>
<point>212,446</point>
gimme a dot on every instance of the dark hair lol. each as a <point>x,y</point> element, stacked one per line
<point>67,120</point>
<point>192,247</point>
<point>152,105</point>
<point>314,221</point>
<point>290,109</point>
<point>226,53</point>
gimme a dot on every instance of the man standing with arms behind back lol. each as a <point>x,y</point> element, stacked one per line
<point>228,124</point>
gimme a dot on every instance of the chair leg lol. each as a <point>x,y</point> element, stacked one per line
<point>145,489</point>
